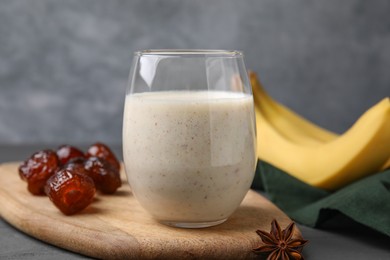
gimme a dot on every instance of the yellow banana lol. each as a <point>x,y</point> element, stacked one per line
<point>289,124</point>
<point>360,151</point>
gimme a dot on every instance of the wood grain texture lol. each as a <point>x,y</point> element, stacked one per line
<point>117,227</point>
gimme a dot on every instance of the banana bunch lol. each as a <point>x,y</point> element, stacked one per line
<point>315,155</point>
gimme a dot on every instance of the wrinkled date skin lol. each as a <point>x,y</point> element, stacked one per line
<point>76,164</point>
<point>67,152</point>
<point>37,169</point>
<point>69,177</point>
<point>105,176</point>
<point>70,191</point>
<point>104,152</point>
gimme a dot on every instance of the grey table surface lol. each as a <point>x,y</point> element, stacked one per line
<point>347,240</point>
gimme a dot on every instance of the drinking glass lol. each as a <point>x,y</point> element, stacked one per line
<point>189,135</point>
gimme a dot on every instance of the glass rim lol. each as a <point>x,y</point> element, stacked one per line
<point>189,52</point>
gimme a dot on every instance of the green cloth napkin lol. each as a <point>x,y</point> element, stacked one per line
<point>366,201</point>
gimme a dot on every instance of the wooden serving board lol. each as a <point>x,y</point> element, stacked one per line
<point>116,227</point>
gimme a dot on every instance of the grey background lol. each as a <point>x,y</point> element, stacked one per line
<point>64,64</point>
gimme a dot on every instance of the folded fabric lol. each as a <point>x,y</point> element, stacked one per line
<point>366,201</point>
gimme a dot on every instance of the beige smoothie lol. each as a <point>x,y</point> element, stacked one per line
<point>189,155</point>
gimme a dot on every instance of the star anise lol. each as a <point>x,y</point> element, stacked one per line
<point>279,244</point>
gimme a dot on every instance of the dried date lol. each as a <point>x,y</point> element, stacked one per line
<point>37,169</point>
<point>70,191</point>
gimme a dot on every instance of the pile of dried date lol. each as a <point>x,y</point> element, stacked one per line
<point>70,177</point>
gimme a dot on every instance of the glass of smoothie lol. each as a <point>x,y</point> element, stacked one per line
<point>189,135</point>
